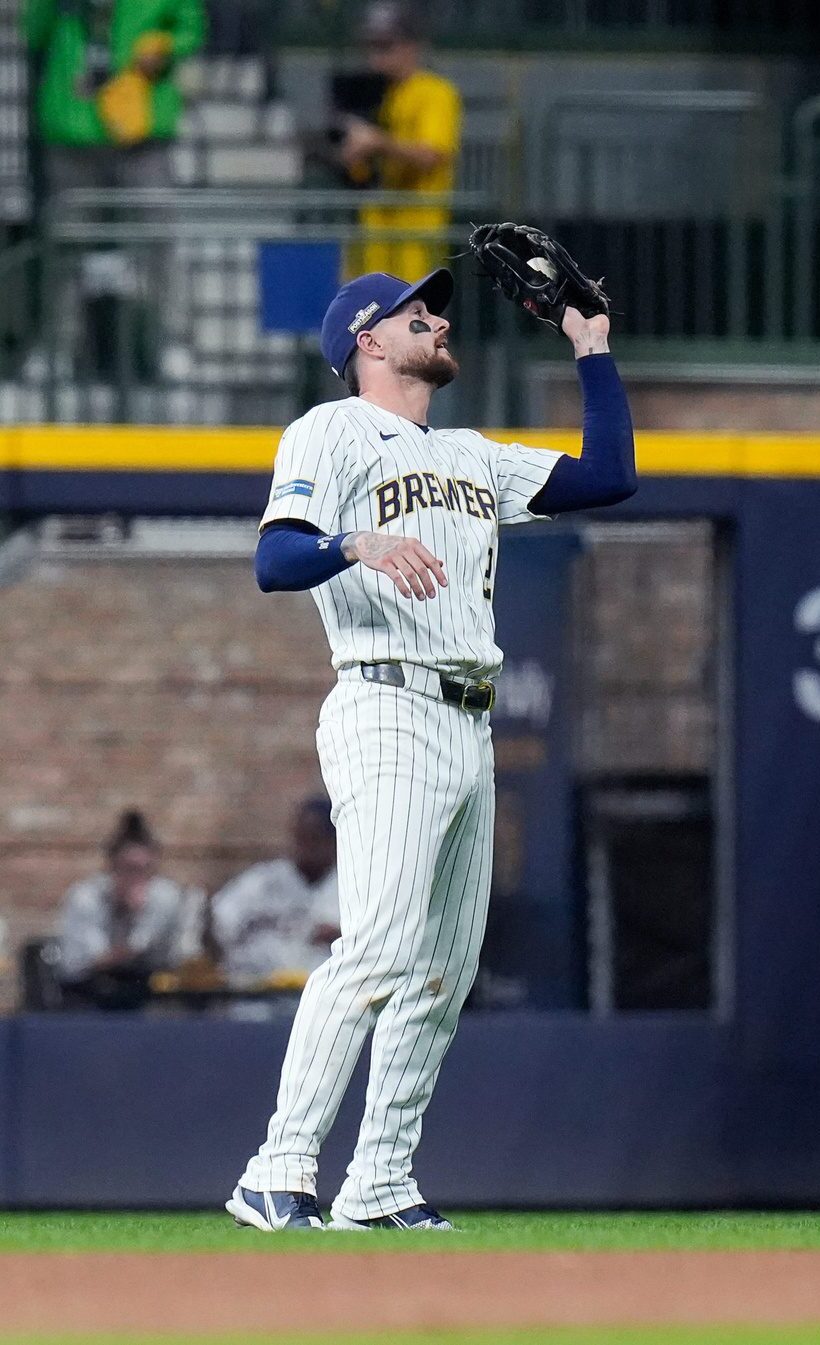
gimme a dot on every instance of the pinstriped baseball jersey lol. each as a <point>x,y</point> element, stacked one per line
<point>349,466</point>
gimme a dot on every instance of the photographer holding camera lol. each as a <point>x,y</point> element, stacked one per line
<point>411,147</point>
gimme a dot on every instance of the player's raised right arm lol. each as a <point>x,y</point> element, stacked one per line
<point>605,472</point>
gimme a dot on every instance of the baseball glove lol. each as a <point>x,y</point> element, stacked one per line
<point>534,271</point>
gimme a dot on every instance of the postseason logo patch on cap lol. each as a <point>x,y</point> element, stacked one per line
<point>363,316</point>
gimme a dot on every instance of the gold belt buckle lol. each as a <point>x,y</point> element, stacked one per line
<point>485,687</point>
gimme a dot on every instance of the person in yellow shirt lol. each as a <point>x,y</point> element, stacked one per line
<point>413,147</point>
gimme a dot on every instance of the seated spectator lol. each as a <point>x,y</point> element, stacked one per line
<point>282,915</point>
<point>118,926</point>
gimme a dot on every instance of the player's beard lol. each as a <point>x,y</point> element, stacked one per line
<point>436,367</point>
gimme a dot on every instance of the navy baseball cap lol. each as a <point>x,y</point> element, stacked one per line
<point>363,302</point>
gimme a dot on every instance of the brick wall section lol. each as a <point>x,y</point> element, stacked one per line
<point>675,405</point>
<point>181,690</point>
<point>176,688</point>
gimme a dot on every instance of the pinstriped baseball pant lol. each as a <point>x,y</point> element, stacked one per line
<point>411,783</point>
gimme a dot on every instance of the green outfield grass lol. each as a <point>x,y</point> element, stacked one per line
<point>491,1231</point>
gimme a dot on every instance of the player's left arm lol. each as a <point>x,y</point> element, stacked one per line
<point>292,555</point>
<point>605,472</point>
<point>300,544</point>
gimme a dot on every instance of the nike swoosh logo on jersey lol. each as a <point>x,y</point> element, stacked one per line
<point>388,436</point>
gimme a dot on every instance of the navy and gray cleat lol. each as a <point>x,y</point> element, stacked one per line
<point>416,1218</point>
<point>273,1211</point>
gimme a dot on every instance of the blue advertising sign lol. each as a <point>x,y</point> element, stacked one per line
<point>296,283</point>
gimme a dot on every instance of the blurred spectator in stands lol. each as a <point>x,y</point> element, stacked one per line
<point>118,926</point>
<point>282,915</point>
<point>108,107</point>
<point>413,147</point>
<point>108,111</point>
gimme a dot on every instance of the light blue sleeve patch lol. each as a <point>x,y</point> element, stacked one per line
<point>297,487</point>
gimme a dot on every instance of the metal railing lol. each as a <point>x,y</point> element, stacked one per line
<point>736,273</point>
<point>171,278</point>
<point>665,192</point>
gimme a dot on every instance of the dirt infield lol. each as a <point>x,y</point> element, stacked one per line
<point>200,1292</point>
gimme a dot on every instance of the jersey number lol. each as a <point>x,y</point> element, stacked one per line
<point>488,574</point>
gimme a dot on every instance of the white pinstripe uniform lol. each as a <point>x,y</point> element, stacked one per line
<point>410,778</point>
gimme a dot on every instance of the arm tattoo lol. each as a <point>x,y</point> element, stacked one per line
<point>369,545</point>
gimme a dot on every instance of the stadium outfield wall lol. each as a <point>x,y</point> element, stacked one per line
<point>550,1108</point>
<point>159,470</point>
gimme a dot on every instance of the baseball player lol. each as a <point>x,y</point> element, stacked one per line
<point>393,525</point>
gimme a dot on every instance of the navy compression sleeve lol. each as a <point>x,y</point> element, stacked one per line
<point>605,471</point>
<point>292,555</point>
